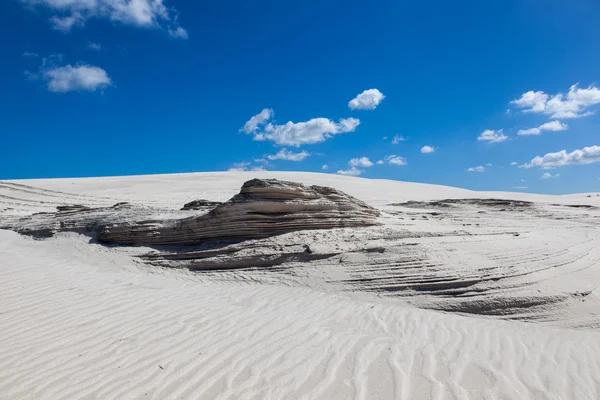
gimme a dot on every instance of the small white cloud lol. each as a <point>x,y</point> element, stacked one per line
<point>259,119</point>
<point>178,33</point>
<point>548,126</point>
<point>296,133</point>
<point>385,138</point>
<point>548,175</point>
<point>574,104</point>
<point>488,165</point>
<point>325,167</point>
<point>479,168</point>
<point>94,46</point>
<point>427,149</point>
<point>492,136</point>
<point>514,163</point>
<point>380,162</point>
<point>350,172</point>
<point>285,154</point>
<point>367,100</point>
<point>67,14</point>
<point>587,155</point>
<point>30,54</point>
<point>396,160</point>
<point>397,139</point>
<point>76,78</point>
<point>519,187</point>
<point>241,166</point>
<point>360,162</point>
<point>259,168</point>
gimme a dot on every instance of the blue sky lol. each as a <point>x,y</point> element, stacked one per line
<point>96,88</point>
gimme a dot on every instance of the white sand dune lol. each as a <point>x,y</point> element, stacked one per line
<point>81,320</point>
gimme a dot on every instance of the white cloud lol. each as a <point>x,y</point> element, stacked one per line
<point>259,119</point>
<point>514,163</point>
<point>492,136</point>
<point>178,33</point>
<point>241,166</point>
<point>285,154</point>
<point>258,168</point>
<point>519,187</point>
<point>488,165</point>
<point>81,77</point>
<point>587,155</point>
<point>380,162</point>
<point>350,172</point>
<point>297,133</point>
<point>325,167</point>
<point>572,105</point>
<point>360,162</point>
<point>30,54</point>
<point>554,126</point>
<point>548,175</point>
<point>143,13</point>
<point>94,46</point>
<point>479,168</point>
<point>427,149</point>
<point>367,100</point>
<point>384,138</point>
<point>397,139</point>
<point>396,160</point>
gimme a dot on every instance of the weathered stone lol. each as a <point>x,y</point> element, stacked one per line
<point>263,208</point>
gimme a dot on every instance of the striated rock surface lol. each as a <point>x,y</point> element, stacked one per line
<point>263,208</point>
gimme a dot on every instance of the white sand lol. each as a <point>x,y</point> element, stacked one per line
<point>79,320</point>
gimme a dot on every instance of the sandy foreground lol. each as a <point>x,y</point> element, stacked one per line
<point>79,320</point>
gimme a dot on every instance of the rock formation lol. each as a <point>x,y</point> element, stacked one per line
<point>263,208</point>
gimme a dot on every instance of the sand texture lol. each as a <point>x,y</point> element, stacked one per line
<point>436,292</point>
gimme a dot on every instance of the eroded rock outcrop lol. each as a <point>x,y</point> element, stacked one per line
<point>263,208</point>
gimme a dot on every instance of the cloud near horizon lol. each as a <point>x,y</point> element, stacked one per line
<point>367,100</point>
<point>574,104</point>
<point>587,155</point>
<point>353,171</point>
<point>287,155</point>
<point>313,131</point>
<point>66,14</point>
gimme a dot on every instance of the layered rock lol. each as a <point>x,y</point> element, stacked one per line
<point>263,208</point>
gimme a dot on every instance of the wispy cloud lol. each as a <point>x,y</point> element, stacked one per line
<point>285,154</point>
<point>587,155</point>
<point>479,168</point>
<point>367,100</point>
<point>30,54</point>
<point>245,166</point>
<point>296,134</point>
<point>396,160</point>
<point>325,167</point>
<point>94,46</point>
<point>554,126</point>
<point>67,14</point>
<point>492,136</point>
<point>574,104</point>
<point>548,175</point>
<point>397,139</point>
